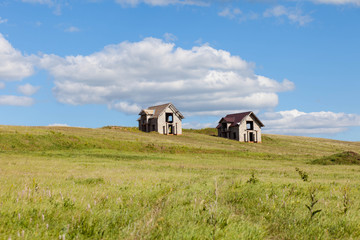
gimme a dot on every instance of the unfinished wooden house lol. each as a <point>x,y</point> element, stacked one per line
<point>243,127</point>
<point>164,119</point>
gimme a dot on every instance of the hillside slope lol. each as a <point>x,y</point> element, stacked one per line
<point>120,183</point>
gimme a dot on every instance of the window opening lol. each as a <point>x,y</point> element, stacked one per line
<point>249,125</point>
<point>169,117</point>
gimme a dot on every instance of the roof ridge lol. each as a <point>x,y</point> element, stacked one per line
<point>165,104</point>
<point>238,113</point>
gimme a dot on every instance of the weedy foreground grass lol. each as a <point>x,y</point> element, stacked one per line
<point>119,183</point>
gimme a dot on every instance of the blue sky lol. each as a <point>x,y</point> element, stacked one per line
<point>92,63</point>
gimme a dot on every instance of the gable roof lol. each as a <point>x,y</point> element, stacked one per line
<point>236,118</point>
<point>157,110</point>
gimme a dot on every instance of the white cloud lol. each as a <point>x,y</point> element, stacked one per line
<point>134,3</point>
<point>13,65</point>
<point>198,125</point>
<point>16,100</point>
<point>3,20</point>
<point>295,15</point>
<point>47,2</point>
<point>58,125</point>
<point>202,80</point>
<point>338,2</point>
<point>55,4</point>
<point>301,123</point>
<point>126,107</point>
<point>230,13</point>
<point>169,37</point>
<point>72,29</point>
<point>2,85</point>
<point>28,89</point>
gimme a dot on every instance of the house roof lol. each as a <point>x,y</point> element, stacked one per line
<point>236,118</point>
<point>156,111</point>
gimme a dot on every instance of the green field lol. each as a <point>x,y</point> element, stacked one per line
<point>119,183</point>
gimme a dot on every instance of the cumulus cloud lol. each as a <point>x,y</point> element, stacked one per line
<point>127,76</point>
<point>134,3</point>
<point>28,89</point>
<point>125,107</point>
<point>301,123</point>
<point>295,15</point>
<point>13,65</point>
<point>16,100</point>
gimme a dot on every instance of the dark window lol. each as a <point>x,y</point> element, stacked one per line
<point>169,117</point>
<point>170,129</point>
<point>234,135</point>
<point>153,127</point>
<point>249,125</point>
<point>224,125</point>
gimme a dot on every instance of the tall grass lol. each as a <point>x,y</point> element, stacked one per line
<point>61,183</point>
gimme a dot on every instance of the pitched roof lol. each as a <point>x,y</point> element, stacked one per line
<point>236,118</point>
<point>158,109</point>
<point>155,111</point>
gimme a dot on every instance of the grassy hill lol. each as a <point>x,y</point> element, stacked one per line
<point>120,183</point>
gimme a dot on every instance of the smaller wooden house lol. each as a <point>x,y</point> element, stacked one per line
<point>243,127</point>
<point>164,119</point>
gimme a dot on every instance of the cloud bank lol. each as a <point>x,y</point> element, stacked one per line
<point>301,123</point>
<point>131,75</point>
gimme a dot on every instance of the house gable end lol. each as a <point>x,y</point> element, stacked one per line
<point>254,118</point>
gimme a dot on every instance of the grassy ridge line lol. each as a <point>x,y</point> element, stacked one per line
<point>24,141</point>
<point>57,140</point>
<point>18,139</point>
